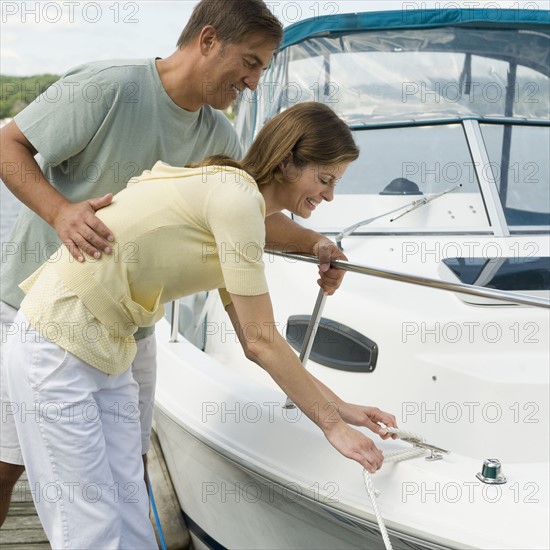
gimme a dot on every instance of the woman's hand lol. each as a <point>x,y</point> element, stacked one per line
<point>369,417</point>
<point>355,445</point>
<point>330,277</point>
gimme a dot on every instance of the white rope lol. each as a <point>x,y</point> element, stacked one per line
<point>393,456</point>
<point>372,494</point>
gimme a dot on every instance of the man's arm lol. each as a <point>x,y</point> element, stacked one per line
<point>76,224</point>
<point>283,234</point>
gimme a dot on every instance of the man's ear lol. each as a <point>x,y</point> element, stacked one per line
<point>207,39</point>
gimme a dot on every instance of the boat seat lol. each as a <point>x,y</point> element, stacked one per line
<point>401,186</point>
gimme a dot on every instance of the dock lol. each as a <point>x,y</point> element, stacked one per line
<point>22,529</point>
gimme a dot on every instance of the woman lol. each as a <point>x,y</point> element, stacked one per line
<point>179,231</point>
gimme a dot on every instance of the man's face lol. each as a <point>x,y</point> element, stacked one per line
<point>233,68</point>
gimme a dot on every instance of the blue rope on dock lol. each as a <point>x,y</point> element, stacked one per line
<point>155,513</point>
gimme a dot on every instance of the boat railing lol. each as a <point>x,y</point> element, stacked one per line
<point>462,288</point>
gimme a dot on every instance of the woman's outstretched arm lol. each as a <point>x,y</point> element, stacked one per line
<point>263,344</point>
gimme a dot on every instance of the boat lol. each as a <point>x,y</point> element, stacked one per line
<point>442,318</point>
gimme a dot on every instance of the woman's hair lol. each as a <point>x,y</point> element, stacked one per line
<point>234,21</point>
<point>311,132</point>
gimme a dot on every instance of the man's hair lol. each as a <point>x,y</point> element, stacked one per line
<point>233,20</point>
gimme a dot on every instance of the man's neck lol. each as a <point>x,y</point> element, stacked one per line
<point>178,75</point>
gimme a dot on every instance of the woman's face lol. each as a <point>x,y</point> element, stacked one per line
<point>310,185</point>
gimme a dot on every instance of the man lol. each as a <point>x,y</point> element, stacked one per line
<point>112,121</point>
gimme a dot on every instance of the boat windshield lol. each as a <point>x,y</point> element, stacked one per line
<point>408,95</point>
<point>399,165</point>
<point>401,75</point>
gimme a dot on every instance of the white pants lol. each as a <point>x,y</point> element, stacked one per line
<point>80,437</point>
<point>144,370</point>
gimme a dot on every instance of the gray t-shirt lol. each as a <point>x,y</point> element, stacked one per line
<point>101,124</point>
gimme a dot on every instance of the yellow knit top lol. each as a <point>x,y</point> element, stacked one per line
<point>177,231</point>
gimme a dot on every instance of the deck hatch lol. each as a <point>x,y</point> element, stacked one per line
<point>336,345</point>
<point>514,274</point>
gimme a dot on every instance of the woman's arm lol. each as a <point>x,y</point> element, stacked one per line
<point>285,235</point>
<point>252,317</point>
<point>359,415</point>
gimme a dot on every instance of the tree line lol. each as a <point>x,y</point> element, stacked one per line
<point>16,92</point>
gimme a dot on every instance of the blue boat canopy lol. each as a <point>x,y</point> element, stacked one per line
<point>417,19</point>
<point>430,95</point>
<point>409,66</point>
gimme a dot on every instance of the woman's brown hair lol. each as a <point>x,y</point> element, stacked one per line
<point>311,132</point>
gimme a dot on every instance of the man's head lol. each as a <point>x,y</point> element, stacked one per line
<point>236,40</point>
<point>233,20</point>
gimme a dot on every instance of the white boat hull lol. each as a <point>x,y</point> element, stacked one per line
<point>247,511</point>
<point>249,475</point>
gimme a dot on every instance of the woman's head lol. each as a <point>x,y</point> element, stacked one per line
<point>297,157</point>
<point>306,134</point>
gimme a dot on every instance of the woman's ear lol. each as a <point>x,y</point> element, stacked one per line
<point>283,165</point>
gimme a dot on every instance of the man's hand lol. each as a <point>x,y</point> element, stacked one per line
<point>331,278</point>
<point>369,417</point>
<point>80,230</point>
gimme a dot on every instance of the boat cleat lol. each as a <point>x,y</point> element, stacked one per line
<point>436,453</point>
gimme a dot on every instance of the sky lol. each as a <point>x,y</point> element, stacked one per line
<point>52,36</point>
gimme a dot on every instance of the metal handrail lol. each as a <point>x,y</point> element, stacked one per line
<point>462,288</point>
<point>174,321</point>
